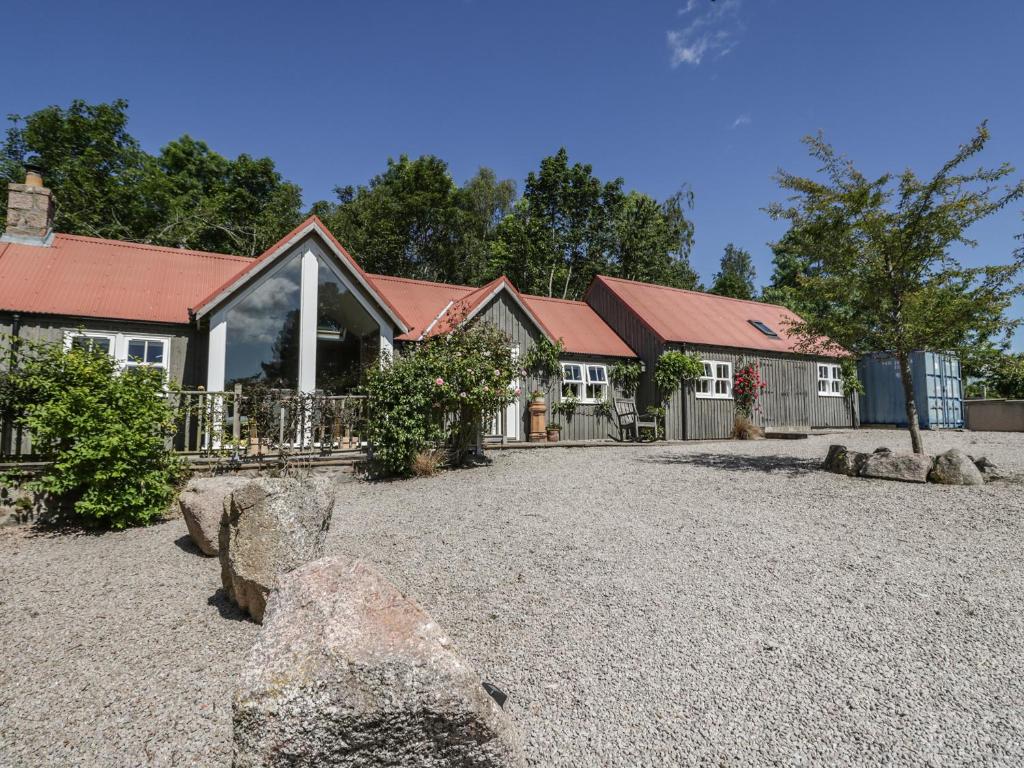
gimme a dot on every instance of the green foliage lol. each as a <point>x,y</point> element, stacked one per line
<point>735,276</point>
<point>104,430</point>
<point>673,368</point>
<point>437,393</point>
<point>543,360</point>
<point>188,196</point>
<point>570,226</point>
<point>566,406</point>
<point>852,385</point>
<point>604,409</point>
<point>1006,377</point>
<point>412,220</point>
<point>880,276</point>
<point>626,376</point>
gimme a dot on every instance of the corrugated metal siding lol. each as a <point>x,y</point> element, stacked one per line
<point>790,402</point>
<point>184,367</point>
<point>586,424</point>
<point>938,390</point>
<point>645,343</point>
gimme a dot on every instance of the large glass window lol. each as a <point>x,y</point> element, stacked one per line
<point>263,331</point>
<point>347,337</point>
<point>716,382</point>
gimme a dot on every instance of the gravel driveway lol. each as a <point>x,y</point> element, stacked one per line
<point>714,604</point>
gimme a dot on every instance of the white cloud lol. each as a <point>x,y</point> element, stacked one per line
<point>741,120</point>
<point>712,31</point>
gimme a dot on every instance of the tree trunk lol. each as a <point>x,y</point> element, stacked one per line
<point>908,396</point>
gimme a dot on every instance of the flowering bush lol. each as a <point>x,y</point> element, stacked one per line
<point>438,393</point>
<point>747,387</point>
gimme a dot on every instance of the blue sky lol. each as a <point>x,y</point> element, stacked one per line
<point>715,95</point>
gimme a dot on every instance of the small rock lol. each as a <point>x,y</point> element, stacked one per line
<point>954,467</point>
<point>202,506</point>
<point>348,671</point>
<point>271,526</point>
<point>907,467</point>
<point>844,462</point>
<point>883,449</point>
<point>988,470</point>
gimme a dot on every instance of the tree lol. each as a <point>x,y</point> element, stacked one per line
<point>565,225</point>
<point>653,242</point>
<point>881,271</point>
<point>188,196</point>
<point>95,168</point>
<point>208,202</point>
<point>735,276</point>
<point>1005,377</point>
<point>484,201</point>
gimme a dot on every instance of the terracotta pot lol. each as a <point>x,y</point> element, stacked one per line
<point>553,435</point>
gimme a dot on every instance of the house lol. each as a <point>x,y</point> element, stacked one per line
<point>804,391</point>
<point>305,316</point>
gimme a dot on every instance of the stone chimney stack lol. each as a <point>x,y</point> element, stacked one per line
<point>29,210</point>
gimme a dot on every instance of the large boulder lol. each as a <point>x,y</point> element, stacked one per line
<point>908,467</point>
<point>202,505</point>
<point>843,461</point>
<point>954,467</point>
<point>271,526</point>
<point>347,671</point>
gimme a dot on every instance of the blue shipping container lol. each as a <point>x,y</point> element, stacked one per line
<point>938,390</point>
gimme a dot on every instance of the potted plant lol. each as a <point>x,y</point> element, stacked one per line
<point>553,432</point>
<point>537,396</point>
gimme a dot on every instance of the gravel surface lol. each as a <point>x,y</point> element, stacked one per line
<point>711,603</point>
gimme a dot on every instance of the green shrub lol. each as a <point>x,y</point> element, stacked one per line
<point>626,376</point>
<point>437,394</point>
<point>104,430</point>
<point>673,368</point>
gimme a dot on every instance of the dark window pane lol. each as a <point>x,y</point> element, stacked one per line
<point>348,338</point>
<point>155,352</point>
<point>263,332</point>
<point>136,350</point>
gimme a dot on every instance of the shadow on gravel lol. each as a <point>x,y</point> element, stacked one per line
<point>186,544</point>
<point>225,607</point>
<point>790,465</point>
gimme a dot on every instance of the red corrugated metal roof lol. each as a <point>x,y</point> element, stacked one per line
<point>91,277</point>
<point>693,317</point>
<point>422,302</point>
<point>580,328</point>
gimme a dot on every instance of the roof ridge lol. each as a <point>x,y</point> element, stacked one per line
<point>152,247</point>
<point>695,293</point>
<point>378,276</point>
<point>554,298</point>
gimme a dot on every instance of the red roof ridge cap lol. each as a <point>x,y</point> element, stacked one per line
<point>607,278</point>
<point>151,247</point>
<point>418,281</point>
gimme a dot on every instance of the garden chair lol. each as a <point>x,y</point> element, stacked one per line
<point>630,420</point>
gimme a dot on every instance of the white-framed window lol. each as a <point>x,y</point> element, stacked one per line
<point>130,350</point>
<point>572,380</point>
<point>830,380</point>
<point>587,382</point>
<point>716,382</point>
<point>597,383</point>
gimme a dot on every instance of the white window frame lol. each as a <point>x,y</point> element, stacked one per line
<point>833,380</point>
<point>711,378</point>
<point>602,384</point>
<point>119,346</point>
<point>576,386</point>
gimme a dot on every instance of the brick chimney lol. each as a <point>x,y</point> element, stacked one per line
<point>29,211</point>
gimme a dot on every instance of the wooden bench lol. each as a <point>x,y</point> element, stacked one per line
<point>629,419</point>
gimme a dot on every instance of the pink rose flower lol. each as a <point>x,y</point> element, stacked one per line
<point>439,381</point>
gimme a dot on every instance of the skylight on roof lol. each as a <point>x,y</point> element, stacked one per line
<point>763,328</point>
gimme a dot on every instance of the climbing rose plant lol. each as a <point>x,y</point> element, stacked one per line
<point>747,387</point>
<point>438,394</point>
